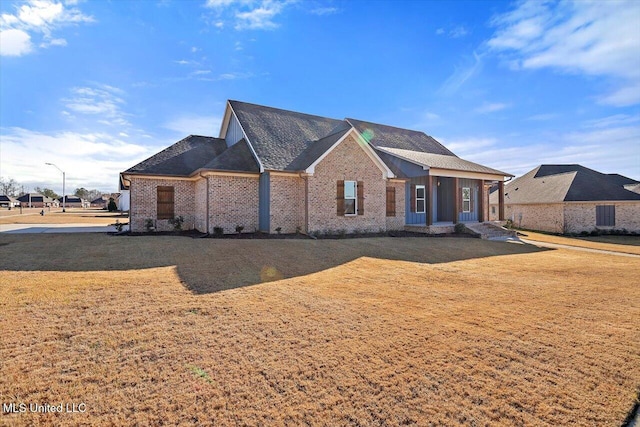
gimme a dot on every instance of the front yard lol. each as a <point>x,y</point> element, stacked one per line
<point>379,331</point>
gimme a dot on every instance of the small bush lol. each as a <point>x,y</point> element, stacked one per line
<point>584,233</point>
<point>239,229</point>
<point>149,225</point>
<point>218,231</point>
<point>112,207</point>
<point>177,222</point>
<point>279,230</point>
<point>596,232</point>
<point>460,228</point>
<point>509,224</point>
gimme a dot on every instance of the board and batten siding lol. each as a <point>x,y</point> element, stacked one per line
<point>264,207</point>
<point>473,185</point>
<point>234,131</point>
<point>413,218</point>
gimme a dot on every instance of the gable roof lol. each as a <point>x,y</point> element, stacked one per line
<point>35,198</point>
<point>279,136</point>
<point>5,198</point>
<point>388,136</point>
<point>566,183</point>
<point>440,161</point>
<point>238,157</point>
<point>283,140</point>
<point>182,158</point>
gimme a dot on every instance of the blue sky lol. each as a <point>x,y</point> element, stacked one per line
<point>97,86</point>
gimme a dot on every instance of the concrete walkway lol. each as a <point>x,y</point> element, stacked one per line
<point>55,228</point>
<point>575,248</point>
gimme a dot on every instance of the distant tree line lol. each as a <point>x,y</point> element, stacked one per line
<point>11,187</point>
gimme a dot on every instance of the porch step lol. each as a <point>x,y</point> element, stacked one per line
<point>491,231</point>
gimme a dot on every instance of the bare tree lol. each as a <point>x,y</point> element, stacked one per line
<point>9,186</point>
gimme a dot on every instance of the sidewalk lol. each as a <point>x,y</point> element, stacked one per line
<point>55,228</point>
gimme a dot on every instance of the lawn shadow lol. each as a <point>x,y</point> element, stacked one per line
<point>212,265</point>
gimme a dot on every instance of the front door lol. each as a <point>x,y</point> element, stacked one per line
<point>445,194</point>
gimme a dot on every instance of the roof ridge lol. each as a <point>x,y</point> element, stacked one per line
<point>284,110</point>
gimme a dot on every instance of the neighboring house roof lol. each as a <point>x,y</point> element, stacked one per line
<point>565,183</point>
<point>35,198</point>
<point>182,158</point>
<point>440,161</point>
<point>4,198</point>
<point>71,199</point>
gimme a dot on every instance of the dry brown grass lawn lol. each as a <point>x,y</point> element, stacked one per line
<point>383,331</point>
<point>625,244</point>
<point>56,216</point>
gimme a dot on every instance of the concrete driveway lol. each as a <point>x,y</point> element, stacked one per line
<point>55,228</point>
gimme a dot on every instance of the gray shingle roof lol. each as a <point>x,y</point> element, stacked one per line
<point>238,157</point>
<point>565,183</point>
<point>182,158</point>
<point>316,149</point>
<point>279,137</point>
<point>393,137</point>
<point>441,161</point>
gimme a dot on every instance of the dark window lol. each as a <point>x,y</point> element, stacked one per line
<point>165,202</point>
<point>391,201</point>
<point>605,216</point>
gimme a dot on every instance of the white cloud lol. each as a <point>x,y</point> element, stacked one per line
<point>615,120</point>
<point>591,38</point>
<point>457,32</point>
<point>38,18</point>
<point>461,74</point>
<point>440,31</point>
<point>250,14</point>
<point>542,117</point>
<point>609,150</point>
<point>101,100</point>
<point>490,107</point>
<point>321,11</point>
<point>14,43</point>
<point>195,125</point>
<point>91,160</point>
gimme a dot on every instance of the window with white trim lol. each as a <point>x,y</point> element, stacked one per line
<point>350,197</point>
<point>421,199</point>
<point>466,199</point>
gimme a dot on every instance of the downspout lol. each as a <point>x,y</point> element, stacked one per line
<point>207,219</point>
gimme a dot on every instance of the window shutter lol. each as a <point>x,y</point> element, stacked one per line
<point>391,201</point>
<point>340,198</point>
<point>413,198</point>
<point>165,202</point>
<point>360,198</point>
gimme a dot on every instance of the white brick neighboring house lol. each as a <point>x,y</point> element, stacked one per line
<point>570,199</point>
<point>281,171</point>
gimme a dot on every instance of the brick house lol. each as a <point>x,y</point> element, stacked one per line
<point>36,200</point>
<point>570,199</point>
<point>272,169</point>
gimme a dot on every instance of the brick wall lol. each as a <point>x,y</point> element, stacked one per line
<point>144,203</point>
<point>233,201</point>
<point>287,203</point>
<point>200,204</point>
<point>582,216</point>
<point>347,161</point>
<point>397,222</point>
<point>543,217</point>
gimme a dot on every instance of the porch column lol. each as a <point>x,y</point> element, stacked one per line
<point>429,206</point>
<point>501,200</point>
<point>481,200</point>
<point>456,201</point>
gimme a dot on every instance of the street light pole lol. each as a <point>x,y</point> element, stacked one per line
<point>64,198</point>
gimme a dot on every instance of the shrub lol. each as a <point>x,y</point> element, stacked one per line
<point>112,207</point>
<point>177,222</point>
<point>149,225</point>
<point>279,230</point>
<point>119,225</point>
<point>218,231</point>
<point>239,229</point>
<point>460,228</point>
<point>509,224</point>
